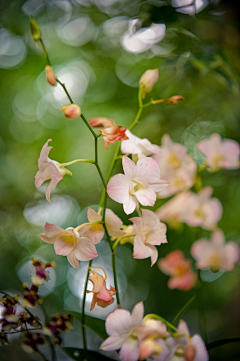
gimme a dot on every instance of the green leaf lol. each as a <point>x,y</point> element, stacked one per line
<point>223,341</point>
<point>95,324</point>
<point>79,354</point>
<point>35,30</point>
<point>183,309</point>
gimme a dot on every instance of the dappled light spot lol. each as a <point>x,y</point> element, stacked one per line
<point>12,49</point>
<point>61,210</point>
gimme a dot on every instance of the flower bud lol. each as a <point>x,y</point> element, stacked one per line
<point>71,111</point>
<point>50,76</point>
<point>101,122</point>
<point>190,352</point>
<point>148,79</point>
<point>35,30</point>
<point>175,99</point>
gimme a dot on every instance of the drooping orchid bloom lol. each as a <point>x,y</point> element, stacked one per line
<point>179,268</point>
<point>177,167</point>
<point>220,153</point>
<point>68,242</point>
<point>135,145</point>
<point>140,183</point>
<point>96,232</point>
<point>101,295</point>
<point>215,254</point>
<point>49,169</point>
<point>186,347</point>
<point>195,209</point>
<point>150,232</point>
<point>111,132</point>
<point>121,327</point>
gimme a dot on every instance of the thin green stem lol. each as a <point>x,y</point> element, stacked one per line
<point>75,161</point>
<point>113,267</point>
<point>65,89</point>
<point>156,317</point>
<point>83,309</point>
<point>53,352</point>
<point>115,244</point>
<point>87,224</point>
<point>97,164</point>
<point>89,126</point>
<point>45,52</point>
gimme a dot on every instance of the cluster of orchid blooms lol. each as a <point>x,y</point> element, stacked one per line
<point>139,185</point>
<point>16,316</point>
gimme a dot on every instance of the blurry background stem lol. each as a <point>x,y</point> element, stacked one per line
<point>201,308</point>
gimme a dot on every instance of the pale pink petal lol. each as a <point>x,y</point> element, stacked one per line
<point>112,343</point>
<point>130,350</point>
<point>62,248</point>
<point>93,216</point>
<point>137,313</point>
<point>118,188</point>
<point>118,322</point>
<point>48,191</point>
<point>201,351</point>
<point>52,231</point>
<point>130,205</point>
<point>184,282</point>
<point>55,174</point>
<point>47,239</point>
<point>218,238</point>
<point>231,256</point>
<point>231,151</point>
<point>147,197</point>
<point>169,264</point>
<point>39,179</point>
<point>128,167</point>
<point>113,223</point>
<point>148,170</point>
<point>202,250</point>
<point>44,152</point>
<point>140,250</point>
<point>159,185</point>
<point>72,259</point>
<point>183,328</point>
<point>85,249</point>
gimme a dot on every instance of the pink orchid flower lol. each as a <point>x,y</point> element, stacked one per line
<point>220,153</point>
<point>186,347</point>
<point>135,145</point>
<point>96,232</point>
<point>150,232</point>
<point>49,169</point>
<point>202,210</point>
<point>195,209</point>
<point>177,167</point>
<point>101,296</point>
<point>121,326</point>
<point>150,345</point>
<point>179,268</point>
<point>111,132</point>
<point>140,183</point>
<point>215,254</point>
<point>68,242</point>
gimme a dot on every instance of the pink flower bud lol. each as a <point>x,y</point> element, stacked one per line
<point>148,79</point>
<point>71,111</point>
<point>50,76</point>
<point>190,352</point>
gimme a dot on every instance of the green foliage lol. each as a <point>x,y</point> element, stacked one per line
<point>79,354</point>
<point>95,324</point>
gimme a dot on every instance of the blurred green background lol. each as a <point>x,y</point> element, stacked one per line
<point>99,49</point>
